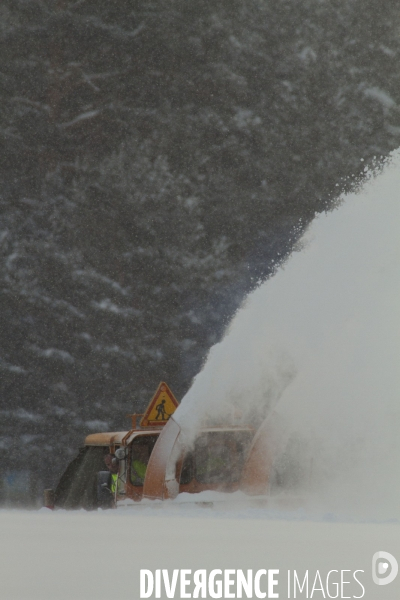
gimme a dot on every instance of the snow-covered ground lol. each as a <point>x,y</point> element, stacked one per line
<point>94,556</point>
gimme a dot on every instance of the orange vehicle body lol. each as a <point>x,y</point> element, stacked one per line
<point>225,459</point>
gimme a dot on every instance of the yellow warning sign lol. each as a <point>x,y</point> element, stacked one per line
<point>161,407</point>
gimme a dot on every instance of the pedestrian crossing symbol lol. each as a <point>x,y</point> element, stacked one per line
<point>161,407</point>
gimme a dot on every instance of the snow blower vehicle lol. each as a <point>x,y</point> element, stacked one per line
<point>154,461</point>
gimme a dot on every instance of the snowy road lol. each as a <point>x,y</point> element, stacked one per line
<point>88,556</point>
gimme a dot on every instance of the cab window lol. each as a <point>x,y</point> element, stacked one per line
<point>141,449</point>
<point>219,456</point>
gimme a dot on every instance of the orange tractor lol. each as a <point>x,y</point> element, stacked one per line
<point>154,460</point>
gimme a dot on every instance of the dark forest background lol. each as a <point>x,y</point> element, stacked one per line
<point>157,160</point>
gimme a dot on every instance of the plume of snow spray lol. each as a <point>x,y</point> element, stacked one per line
<point>320,344</point>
